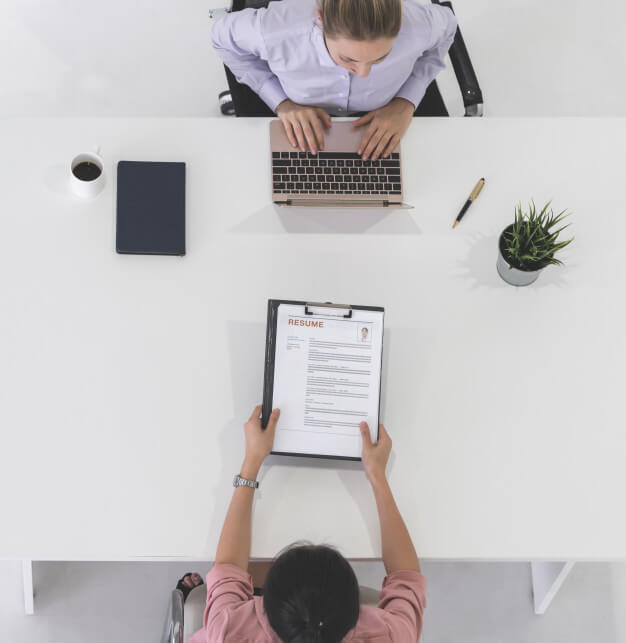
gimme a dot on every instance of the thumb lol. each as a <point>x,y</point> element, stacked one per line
<point>323,114</point>
<point>364,120</point>
<point>365,434</point>
<point>256,412</point>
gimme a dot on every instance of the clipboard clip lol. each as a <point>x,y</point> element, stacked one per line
<point>327,304</point>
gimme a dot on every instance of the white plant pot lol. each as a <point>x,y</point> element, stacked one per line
<point>509,273</point>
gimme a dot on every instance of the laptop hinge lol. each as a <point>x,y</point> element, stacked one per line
<point>381,203</point>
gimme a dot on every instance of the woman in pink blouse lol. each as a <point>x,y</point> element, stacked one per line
<point>311,594</point>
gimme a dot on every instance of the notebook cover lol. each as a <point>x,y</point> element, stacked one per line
<point>150,208</point>
<point>268,374</point>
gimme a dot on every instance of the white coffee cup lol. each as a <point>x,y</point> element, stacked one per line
<point>87,174</point>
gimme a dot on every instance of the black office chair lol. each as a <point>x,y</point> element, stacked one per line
<point>240,100</point>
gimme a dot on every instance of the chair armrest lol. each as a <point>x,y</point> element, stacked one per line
<point>464,71</point>
<point>174,623</point>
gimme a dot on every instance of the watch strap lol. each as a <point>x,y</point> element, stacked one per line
<point>238,481</point>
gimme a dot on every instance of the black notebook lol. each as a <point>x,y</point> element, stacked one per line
<point>150,208</point>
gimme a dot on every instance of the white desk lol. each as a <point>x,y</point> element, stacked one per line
<point>125,380</point>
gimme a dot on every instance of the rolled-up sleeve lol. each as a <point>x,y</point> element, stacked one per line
<point>227,587</point>
<point>443,25</point>
<point>403,599</point>
<point>238,40</point>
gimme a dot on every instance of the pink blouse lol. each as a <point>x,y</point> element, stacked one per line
<point>233,614</point>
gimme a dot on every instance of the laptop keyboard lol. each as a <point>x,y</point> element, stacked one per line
<point>334,173</point>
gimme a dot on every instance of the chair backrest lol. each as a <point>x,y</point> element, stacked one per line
<point>194,610</point>
<point>174,622</point>
<point>246,102</point>
<point>464,71</point>
<point>247,4</point>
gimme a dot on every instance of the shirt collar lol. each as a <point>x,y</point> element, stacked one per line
<point>320,46</point>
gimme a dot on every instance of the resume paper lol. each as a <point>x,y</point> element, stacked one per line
<point>326,379</point>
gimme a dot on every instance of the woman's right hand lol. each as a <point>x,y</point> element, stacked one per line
<point>304,125</point>
<point>375,456</point>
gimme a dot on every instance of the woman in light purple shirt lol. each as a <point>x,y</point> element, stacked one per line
<point>308,59</point>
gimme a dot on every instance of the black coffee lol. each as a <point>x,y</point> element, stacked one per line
<point>86,171</point>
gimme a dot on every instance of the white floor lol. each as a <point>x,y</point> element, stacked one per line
<point>153,58</point>
<point>467,603</point>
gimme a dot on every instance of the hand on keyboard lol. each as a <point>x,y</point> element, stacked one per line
<point>304,125</point>
<point>387,125</point>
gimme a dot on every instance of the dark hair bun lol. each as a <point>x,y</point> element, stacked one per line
<point>311,595</point>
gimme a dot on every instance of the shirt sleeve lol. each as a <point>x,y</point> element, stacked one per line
<point>403,598</point>
<point>227,587</point>
<point>238,40</point>
<point>443,29</point>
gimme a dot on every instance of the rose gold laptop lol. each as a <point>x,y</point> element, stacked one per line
<point>336,176</point>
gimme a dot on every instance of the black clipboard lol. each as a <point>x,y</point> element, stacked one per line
<point>270,355</point>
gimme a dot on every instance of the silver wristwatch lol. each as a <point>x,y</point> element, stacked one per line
<point>238,481</point>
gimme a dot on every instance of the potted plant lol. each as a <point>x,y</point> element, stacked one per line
<point>529,244</point>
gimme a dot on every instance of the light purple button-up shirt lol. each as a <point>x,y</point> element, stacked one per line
<point>280,53</point>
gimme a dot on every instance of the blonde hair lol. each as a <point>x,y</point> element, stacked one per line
<point>361,19</point>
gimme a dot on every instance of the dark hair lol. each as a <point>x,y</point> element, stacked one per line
<point>311,595</point>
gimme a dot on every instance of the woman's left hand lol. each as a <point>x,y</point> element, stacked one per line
<point>386,126</point>
<point>259,441</point>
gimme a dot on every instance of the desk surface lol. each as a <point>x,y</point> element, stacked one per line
<point>125,379</point>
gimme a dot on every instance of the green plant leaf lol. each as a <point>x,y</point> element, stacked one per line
<point>531,241</point>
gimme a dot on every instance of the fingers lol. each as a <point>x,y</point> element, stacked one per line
<point>365,140</point>
<point>311,124</point>
<point>256,413</point>
<point>382,145</point>
<point>372,144</point>
<point>313,138</point>
<point>380,138</point>
<point>365,434</point>
<point>324,117</point>
<point>391,146</point>
<point>364,120</point>
<point>319,133</point>
<point>273,421</point>
<point>297,128</point>
<point>289,132</point>
<point>382,434</point>
<point>304,127</point>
